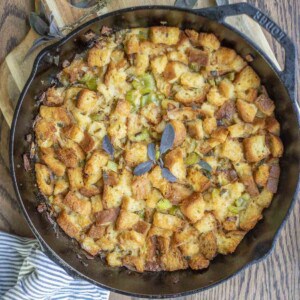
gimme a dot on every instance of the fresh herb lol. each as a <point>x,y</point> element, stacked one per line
<point>107,146</point>
<point>166,144</point>
<point>205,166</point>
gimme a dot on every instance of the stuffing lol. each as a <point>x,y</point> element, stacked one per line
<point>126,89</point>
<point>256,148</point>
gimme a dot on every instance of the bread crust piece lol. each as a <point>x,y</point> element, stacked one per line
<point>44,179</point>
<point>164,35</point>
<point>166,221</point>
<point>255,148</point>
<point>69,225</point>
<point>193,207</point>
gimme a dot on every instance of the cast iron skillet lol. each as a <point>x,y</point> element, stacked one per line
<point>257,243</point>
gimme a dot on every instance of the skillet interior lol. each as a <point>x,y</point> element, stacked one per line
<point>255,245</point>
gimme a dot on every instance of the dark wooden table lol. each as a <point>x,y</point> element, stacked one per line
<point>276,277</point>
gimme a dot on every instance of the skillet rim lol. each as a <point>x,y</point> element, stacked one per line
<point>51,253</point>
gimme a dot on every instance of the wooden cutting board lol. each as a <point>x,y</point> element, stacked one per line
<point>16,67</point>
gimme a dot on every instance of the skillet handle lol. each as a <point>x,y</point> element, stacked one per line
<point>221,12</point>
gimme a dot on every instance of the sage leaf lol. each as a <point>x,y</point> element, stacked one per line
<point>167,139</point>
<point>143,168</point>
<point>168,175</point>
<point>107,146</point>
<point>38,24</point>
<point>151,151</point>
<point>204,165</point>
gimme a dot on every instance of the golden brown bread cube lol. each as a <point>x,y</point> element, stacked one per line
<point>133,205</point>
<point>233,150</point>
<point>177,56</point>
<point>87,143</point>
<point>186,235</point>
<point>208,245</point>
<point>86,100</point>
<point>44,179</point>
<point>75,178</point>
<point>226,88</point>
<point>56,114</point>
<point>199,182</point>
<point>69,224</point>
<point>141,63</point>
<point>152,112</point>
<point>192,80</point>
<point>141,187</point>
<point>227,243</point>
<point>224,56</point>
<point>189,97</point>
<point>261,175</point>
<point>135,154</point>
<point>174,161</point>
<point>240,130</point>
<point>89,245</point>
<point>190,249</point>
<point>214,97</point>
<point>230,223</point>
<point>166,221</point>
<point>96,231</point>
<point>272,183</point>
<point>142,227</point>
<point>48,156</point>
<point>107,216</point>
<point>207,223</point>
<point>45,132</point>
<point>73,132</point>
<point>208,40</point>
<point>273,126</point>
<point>99,57</point>
<point>61,186</point>
<point>246,79</point>
<point>174,70</point>
<point>276,145</point>
<point>198,58</point>
<point>80,206</point>
<point>255,148</point>
<point>176,192</point>
<point>264,199</point>
<point>132,45</point>
<point>68,157</point>
<point>209,125</point>
<point>250,216</point>
<point>193,207</point>
<point>114,259</point>
<point>153,198</point>
<point>55,96</point>
<point>220,134</point>
<point>126,220</point>
<point>180,132</point>
<point>198,262</point>
<point>93,167</point>
<point>265,104</point>
<point>164,35</point>
<point>247,111</point>
<point>131,240</point>
<point>195,129</point>
<point>159,63</point>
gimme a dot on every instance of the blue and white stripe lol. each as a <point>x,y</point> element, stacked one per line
<point>27,273</point>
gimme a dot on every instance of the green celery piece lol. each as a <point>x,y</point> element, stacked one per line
<point>163,204</point>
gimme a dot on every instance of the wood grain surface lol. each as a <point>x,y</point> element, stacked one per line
<point>276,277</point>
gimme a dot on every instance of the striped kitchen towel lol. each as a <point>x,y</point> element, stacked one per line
<point>27,273</point>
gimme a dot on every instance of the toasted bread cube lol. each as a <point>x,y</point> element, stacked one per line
<point>186,235</point>
<point>163,86</point>
<point>55,96</point>
<point>224,56</point>
<point>180,132</point>
<point>164,35</point>
<point>220,134</point>
<point>208,40</point>
<point>262,174</point>
<point>135,154</point>
<point>195,129</point>
<point>80,206</point>
<point>177,192</point>
<point>132,45</point>
<point>93,167</point>
<point>198,262</point>
<point>208,245</point>
<point>171,257</point>
<point>230,223</point>
<point>265,104</point>
<point>107,216</point>
<point>256,148</point>
<point>190,249</point>
<point>178,56</point>
<point>132,205</point>
<point>247,111</point>
<point>44,179</point>
<point>45,132</point>
<point>207,223</point>
<point>48,156</point>
<point>86,100</point>
<point>264,199</point>
<point>141,63</point>
<point>126,220</point>
<point>75,178</point>
<point>247,79</point>
<point>227,243</point>
<point>153,198</point>
<point>245,174</point>
<point>69,224</point>
<point>215,98</point>
<point>272,125</point>
<point>56,114</point>
<point>158,181</point>
<point>68,157</point>
<point>240,130</point>
<point>131,240</point>
<point>89,191</point>
<point>152,113</point>
<point>174,70</point>
<point>226,111</point>
<point>276,145</point>
<point>89,245</point>
<point>193,207</point>
<point>87,144</point>
<point>273,179</point>
<point>96,231</point>
<point>97,204</point>
<point>74,133</point>
<point>61,186</point>
<point>183,114</point>
<point>192,80</point>
<point>166,221</point>
<point>250,216</point>
<point>198,58</point>
<point>114,259</point>
<point>174,161</point>
<point>199,182</point>
<point>209,125</point>
<point>141,187</point>
<point>109,240</point>
<point>159,63</point>
<point>249,95</point>
<point>189,97</point>
<point>233,150</point>
<point>193,36</point>
<point>99,57</point>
